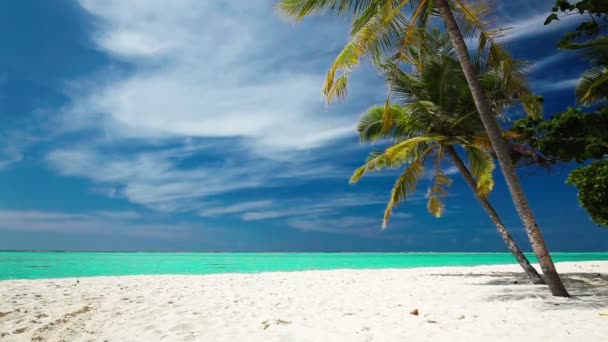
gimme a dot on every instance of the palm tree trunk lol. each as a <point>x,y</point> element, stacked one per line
<point>500,227</point>
<point>502,153</point>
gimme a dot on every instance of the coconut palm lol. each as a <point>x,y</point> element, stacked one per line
<point>593,86</point>
<point>423,145</point>
<point>435,117</point>
<point>382,28</point>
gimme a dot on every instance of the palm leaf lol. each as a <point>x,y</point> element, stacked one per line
<point>593,86</point>
<point>394,156</point>
<point>481,165</point>
<point>474,21</point>
<point>298,9</point>
<point>405,184</point>
<point>439,189</point>
<point>374,32</point>
<point>406,150</point>
<point>404,126</point>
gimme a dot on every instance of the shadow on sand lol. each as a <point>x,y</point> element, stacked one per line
<point>587,290</point>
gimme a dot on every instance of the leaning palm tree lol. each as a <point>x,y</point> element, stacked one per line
<point>416,141</point>
<point>437,115</point>
<point>382,28</point>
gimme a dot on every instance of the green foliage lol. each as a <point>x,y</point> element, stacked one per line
<point>439,189</point>
<point>481,165</point>
<point>389,29</point>
<point>434,110</point>
<point>569,136</point>
<point>575,135</point>
<point>405,184</point>
<point>593,86</point>
<point>592,184</point>
<point>588,40</point>
<point>596,10</point>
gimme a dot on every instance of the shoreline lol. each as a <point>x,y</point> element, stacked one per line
<point>29,265</point>
<point>516,269</point>
<point>455,302</point>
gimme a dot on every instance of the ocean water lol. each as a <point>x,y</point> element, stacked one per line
<point>33,265</point>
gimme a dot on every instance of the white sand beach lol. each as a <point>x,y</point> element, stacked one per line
<point>485,303</point>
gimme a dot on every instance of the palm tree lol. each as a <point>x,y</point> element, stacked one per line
<point>435,117</point>
<point>593,86</point>
<point>423,145</point>
<point>381,28</point>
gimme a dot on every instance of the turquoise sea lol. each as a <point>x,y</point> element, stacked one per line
<point>33,265</point>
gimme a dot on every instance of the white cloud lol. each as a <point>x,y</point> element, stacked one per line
<point>522,26</point>
<point>201,70</point>
<point>156,179</point>
<point>548,86</point>
<point>206,70</point>
<point>9,155</point>
<point>350,225</point>
<point>14,141</point>
<point>120,223</point>
<point>292,207</point>
<point>235,208</point>
<point>550,60</point>
<point>452,170</point>
<point>401,215</point>
<point>272,214</point>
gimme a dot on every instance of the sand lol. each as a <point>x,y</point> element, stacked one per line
<point>485,303</point>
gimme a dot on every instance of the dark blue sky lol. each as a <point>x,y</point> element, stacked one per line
<point>199,125</point>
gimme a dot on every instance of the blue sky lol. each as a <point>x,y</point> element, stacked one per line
<point>199,125</point>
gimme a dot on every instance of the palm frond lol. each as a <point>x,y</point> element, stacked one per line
<point>439,189</point>
<point>593,86</point>
<point>595,49</point>
<point>532,104</point>
<point>404,126</point>
<point>405,184</point>
<point>376,161</point>
<point>338,88</point>
<point>406,150</point>
<point>474,22</point>
<point>416,30</point>
<point>481,165</point>
<point>298,9</point>
<point>387,118</point>
<point>373,33</point>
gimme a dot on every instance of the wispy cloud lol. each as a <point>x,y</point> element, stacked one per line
<point>293,207</point>
<point>533,26</point>
<point>368,226</point>
<point>9,155</point>
<point>350,225</point>
<point>120,223</point>
<point>548,86</point>
<point>235,208</point>
<point>15,140</point>
<point>157,179</point>
<point>199,70</point>
<point>550,60</point>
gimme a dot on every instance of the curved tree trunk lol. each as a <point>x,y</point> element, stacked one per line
<point>502,153</point>
<point>500,227</point>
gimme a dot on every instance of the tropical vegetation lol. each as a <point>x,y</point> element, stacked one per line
<point>579,134</point>
<point>434,116</point>
<point>593,189</point>
<point>592,45</point>
<point>383,29</point>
